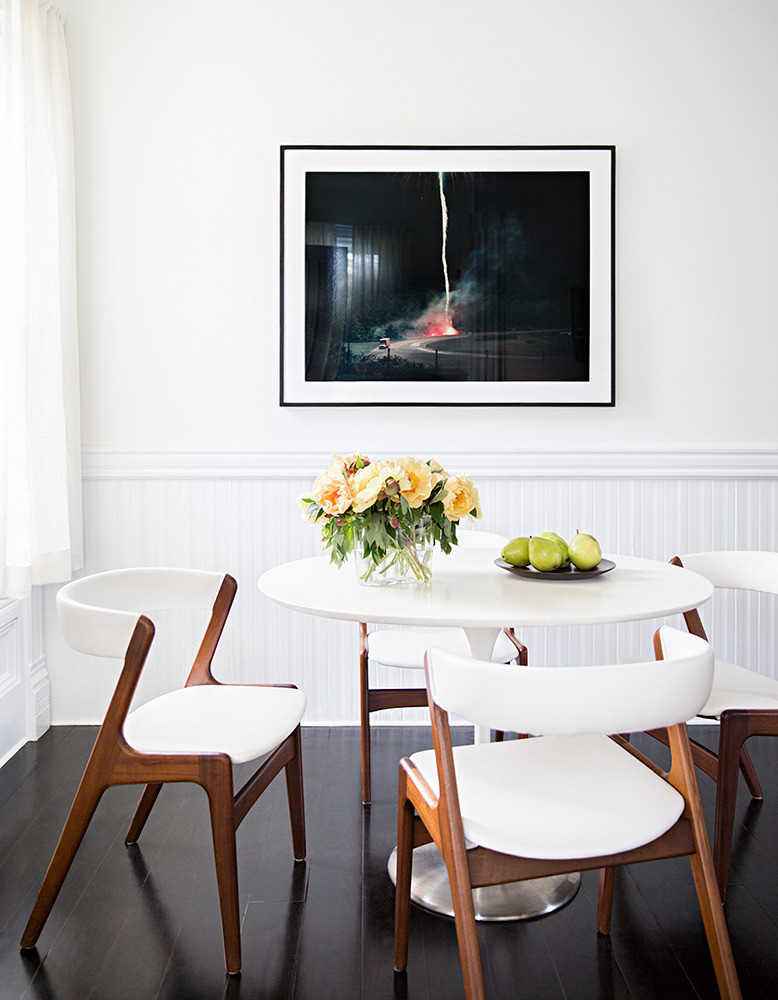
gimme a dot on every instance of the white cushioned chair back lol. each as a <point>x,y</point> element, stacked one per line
<point>572,701</point>
<point>736,570</point>
<point>469,539</point>
<point>98,613</point>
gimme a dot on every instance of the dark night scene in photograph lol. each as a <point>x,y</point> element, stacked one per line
<point>447,276</point>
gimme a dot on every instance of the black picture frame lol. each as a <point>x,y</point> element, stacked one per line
<point>447,276</point>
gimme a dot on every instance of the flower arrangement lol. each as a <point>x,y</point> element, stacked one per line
<point>390,512</point>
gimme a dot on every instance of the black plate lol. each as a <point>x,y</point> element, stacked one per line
<point>568,573</point>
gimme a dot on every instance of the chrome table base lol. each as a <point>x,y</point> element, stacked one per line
<point>512,901</point>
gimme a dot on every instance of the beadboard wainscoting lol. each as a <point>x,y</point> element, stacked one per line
<point>237,513</point>
<point>24,679</point>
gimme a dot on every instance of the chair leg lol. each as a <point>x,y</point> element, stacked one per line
<point>702,866</point>
<point>147,800</point>
<point>605,900</point>
<point>294,793</point>
<point>715,924</point>
<point>218,785</point>
<point>748,771</point>
<point>467,935</point>
<point>731,738</point>
<point>81,812</point>
<point>402,890</point>
<point>364,713</point>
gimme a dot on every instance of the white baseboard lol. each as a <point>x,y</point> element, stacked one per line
<point>40,690</point>
<point>14,749</point>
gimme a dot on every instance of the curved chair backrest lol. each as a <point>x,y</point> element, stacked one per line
<point>99,613</point>
<point>736,570</point>
<point>573,701</point>
<point>470,539</point>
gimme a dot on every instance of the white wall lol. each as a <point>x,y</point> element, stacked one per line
<point>180,109</point>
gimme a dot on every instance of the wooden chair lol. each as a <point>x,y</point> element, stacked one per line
<point>570,799</point>
<point>405,648</point>
<point>744,702</point>
<point>193,734</point>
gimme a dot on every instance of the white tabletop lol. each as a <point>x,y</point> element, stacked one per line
<point>467,589</point>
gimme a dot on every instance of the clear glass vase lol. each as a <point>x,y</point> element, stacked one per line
<point>408,560</point>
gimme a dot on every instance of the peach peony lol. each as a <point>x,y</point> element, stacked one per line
<point>421,480</point>
<point>332,493</point>
<point>461,498</point>
<point>392,472</point>
<point>367,485</point>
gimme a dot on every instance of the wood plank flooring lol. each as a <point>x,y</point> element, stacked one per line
<point>143,922</point>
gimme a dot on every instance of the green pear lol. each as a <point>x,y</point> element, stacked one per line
<point>585,551</point>
<point>562,545</point>
<point>516,552</point>
<point>544,554</point>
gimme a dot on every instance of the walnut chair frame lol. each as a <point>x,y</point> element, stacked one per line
<point>736,726</point>
<point>114,762</point>
<point>424,815</point>
<point>372,699</point>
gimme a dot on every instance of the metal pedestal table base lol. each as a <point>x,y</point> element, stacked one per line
<point>511,901</point>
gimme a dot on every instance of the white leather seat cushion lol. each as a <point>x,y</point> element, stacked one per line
<point>557,796</point>
<point>737,687</point>
<point>406,647</point>
<point>244,722</point>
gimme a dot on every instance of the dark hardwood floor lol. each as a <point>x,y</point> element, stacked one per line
<point>143,922</point>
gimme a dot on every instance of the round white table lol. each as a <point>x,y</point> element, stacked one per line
<point>469,591</point>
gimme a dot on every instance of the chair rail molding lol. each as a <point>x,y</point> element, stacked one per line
<point>678,462</point>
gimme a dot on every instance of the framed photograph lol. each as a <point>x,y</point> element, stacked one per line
<point>449,276</point>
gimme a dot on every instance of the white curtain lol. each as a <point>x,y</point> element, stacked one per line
<point>40,467</point>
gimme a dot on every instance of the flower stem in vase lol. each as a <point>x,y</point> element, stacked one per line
<point>389,513</point>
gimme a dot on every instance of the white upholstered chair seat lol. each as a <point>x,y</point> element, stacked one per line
<point>557,797</point>
<point>737,687</point>
<point>406,647</point>
<point>243,722</point>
